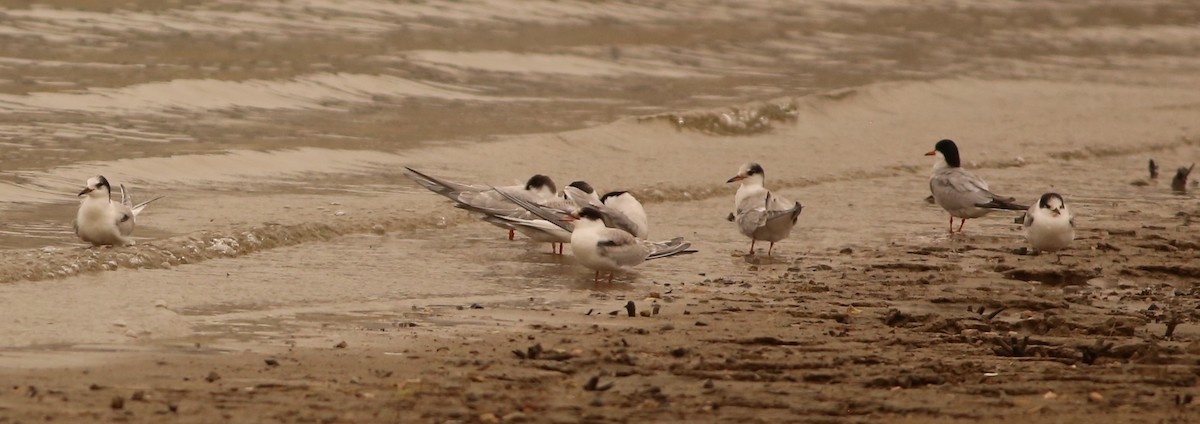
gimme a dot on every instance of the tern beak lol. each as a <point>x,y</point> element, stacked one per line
<point>85,191</point>
<point>736,178</point>
<point>932,153</point>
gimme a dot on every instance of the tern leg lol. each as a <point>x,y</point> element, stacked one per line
<point>512,234</point>
<point>596,279</point>
<point>769,249</point>
<point>610,276</point>
<point>560,248</point>
<point>551,248</point>
<point>960,225</point>
<point>951,224</point>
<point>752,246</point>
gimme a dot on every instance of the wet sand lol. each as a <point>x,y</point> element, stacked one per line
<point>278,132</point>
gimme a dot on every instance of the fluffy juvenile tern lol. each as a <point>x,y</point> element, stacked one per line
<point>1049,224</point>
<point>760,214</point>
<point>102,222</point>
<point>960,192</point>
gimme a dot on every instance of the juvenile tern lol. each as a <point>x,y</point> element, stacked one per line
<point>960,192</point>
<point>100,221</point>
<point>760,214</point>
<point>605,249</point>
<point>485,201</point>
<point>575,195</point>
<point>1049,225</point>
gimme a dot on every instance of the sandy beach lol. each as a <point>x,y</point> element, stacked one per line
<point>293,274</point>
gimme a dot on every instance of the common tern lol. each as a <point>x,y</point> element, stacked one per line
<point>100,221</point>
<point>1049,225</point>
<point>575,195</point>
<point>629,208</point>
<point>486,201</point>
<point>760,214</point>
<point>960,192</point>
<point>605,249</point>
<point>613,213</point>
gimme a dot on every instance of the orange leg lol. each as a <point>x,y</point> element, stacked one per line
<point>512,235</point>
<point>751,246</point>
<point>951,224</point>
<point>960,225</point>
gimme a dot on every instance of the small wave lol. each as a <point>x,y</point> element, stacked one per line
<point>741,120</point>
<point>55,262</point>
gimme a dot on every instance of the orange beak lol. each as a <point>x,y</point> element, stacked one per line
<point>932,153</point>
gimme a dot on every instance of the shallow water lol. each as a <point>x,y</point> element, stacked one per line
<point>277,132</point>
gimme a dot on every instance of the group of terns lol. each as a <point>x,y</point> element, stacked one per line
<point>607,233</point>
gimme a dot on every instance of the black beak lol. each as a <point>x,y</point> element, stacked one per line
<point>85,191</point>
<point>735,178</point>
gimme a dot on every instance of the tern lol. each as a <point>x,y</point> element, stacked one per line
<point>486,201</point>
<point>604,249</point>
<point>960,192</point>
<point>575,195</point>
<point>760,214</point>
<point>1049,225</point>
<point>102,222</point>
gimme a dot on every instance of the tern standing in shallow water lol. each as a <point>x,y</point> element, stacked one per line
<point>760,214</point>
<point>1049,225</point>
<point>102,222</point>
<point>960,192</point>
<point>485,201</point>
<point>605,249</point>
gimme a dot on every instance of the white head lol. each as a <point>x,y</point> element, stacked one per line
<point>749,174</point>
<point>1053,203</point>
<point>97,187</point>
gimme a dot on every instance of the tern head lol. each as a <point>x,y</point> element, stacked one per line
<point>1052,202</point>
<point>946,151</point>
<point>749,173</point>
<point>97,187</point>
<point>541,183</point>
<point>613,195</point>
<point>582,186</point>
<point>587,215</point>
